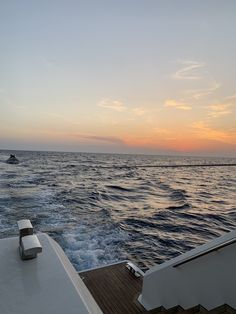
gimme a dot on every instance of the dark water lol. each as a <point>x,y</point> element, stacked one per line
<point>100,212</point>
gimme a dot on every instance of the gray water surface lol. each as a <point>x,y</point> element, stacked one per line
<point>102,212</point>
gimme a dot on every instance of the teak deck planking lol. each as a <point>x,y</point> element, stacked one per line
<point>114,288</point>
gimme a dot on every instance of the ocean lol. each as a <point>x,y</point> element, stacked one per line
<point>103,208</point>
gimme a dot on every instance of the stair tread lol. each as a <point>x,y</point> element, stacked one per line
<point>198,309</point>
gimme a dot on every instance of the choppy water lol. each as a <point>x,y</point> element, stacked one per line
<point>101,213</point>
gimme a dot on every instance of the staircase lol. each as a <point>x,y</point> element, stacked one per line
<point>223,309</point>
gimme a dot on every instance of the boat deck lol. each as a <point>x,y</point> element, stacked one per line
<point>114,288</point>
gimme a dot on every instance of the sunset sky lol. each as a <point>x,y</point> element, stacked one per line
<point>127,76</point>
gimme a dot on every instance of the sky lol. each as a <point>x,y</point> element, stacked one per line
<point>150,76</point>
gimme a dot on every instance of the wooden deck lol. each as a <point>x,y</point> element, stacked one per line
<point>114,288</point>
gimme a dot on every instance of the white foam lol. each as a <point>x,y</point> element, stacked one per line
<point>89,247</point>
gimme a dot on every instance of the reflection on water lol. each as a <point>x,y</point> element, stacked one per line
<point>101,212</point>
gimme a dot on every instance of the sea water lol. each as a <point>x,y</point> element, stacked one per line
<point>103,208</point>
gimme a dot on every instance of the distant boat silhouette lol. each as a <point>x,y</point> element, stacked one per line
<point>12,160</point>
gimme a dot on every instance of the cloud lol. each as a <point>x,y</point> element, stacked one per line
<point>55,115</point>
<point>201,93</point>
<point>108,139</point>
<point>219,110</point>
<point>204,131</point>
<point>231,99</point>
<point>223,108</point>
<point>112,104</point>
<point>161,131</point>
<point>49,63</point>
<point>139,111</point>
<point>21,107</point>
<point>190,71</point>
<point>4,98</point>
<point>62,118</point>
<point>177,104</point>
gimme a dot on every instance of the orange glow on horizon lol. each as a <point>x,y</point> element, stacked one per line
<point>180,143</point>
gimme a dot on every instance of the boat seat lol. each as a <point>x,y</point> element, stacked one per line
<point>29,242</point>
<point>30,247</point>
<point>25,228</point>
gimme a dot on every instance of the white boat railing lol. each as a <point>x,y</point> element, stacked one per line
<point>216,248</point>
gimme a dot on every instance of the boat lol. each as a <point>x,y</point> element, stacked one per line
<point>37,277</point>
<point>12,160</point>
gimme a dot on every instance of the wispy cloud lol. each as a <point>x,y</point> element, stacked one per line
<point>20,107</point>
<point>61,117</point>
<point>4,98</point>
<point>112,104</point>
<point>219,110</point>
<point>55,115</point>
<point>139,111</point>
<point>49,63</point>
<point>162,131</point>
<point>230,99</point>
<point>164,134</point>
<point>108,139</point>
<point>223,108</point>
<point>201,93</point>
<point>189,71</point>
<point>202,130</point>
<point>177,104</point>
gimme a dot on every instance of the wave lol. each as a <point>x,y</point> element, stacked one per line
<point>179,207</point>
<point>120,188</point>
